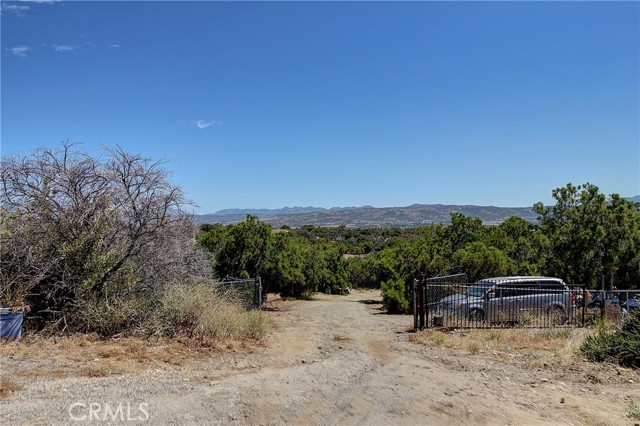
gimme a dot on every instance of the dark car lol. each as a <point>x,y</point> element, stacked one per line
<point>598,298</point>
<point>631,305</point>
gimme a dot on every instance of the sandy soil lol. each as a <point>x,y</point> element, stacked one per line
<point>332,360</point>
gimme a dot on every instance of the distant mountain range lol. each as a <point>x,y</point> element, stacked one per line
<point>371,217</point>
<point>275,212</point>
<point>367,216</point>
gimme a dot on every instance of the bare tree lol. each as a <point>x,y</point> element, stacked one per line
<point>74,226</point>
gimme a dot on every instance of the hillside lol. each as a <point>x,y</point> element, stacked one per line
<point>370,217</point>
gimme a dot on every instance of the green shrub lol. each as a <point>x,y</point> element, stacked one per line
<point>394,296</point>
<point>634,411</point>
<point>621,347</point>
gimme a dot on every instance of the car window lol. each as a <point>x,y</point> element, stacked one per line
<point>515,289</point>
<point>478,290</point>
<point>552,284</point>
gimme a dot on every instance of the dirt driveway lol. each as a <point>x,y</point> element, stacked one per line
<point>332,360</point>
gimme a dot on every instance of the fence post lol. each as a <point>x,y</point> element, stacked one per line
<point>414,302</point>
<point>584,303</point>
<point>421,302</point>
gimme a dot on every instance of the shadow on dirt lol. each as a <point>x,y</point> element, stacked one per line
<point>370,302</point>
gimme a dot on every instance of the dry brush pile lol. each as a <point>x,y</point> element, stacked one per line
<point>103,244</point>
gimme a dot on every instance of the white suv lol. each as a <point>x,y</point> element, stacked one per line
<point>513,299</point>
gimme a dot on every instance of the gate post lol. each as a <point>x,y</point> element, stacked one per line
<point>414,302</point>
<point>258,292</point>
<point>584,304</point>
<point>421,302</point>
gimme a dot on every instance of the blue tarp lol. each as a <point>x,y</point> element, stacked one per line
<point>10,324</point>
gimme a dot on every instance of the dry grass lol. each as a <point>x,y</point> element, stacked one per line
<point>341,338</point>
<point>54,372</point>
<point>533,347</point>
<point>90,356</point>
<point>93,357</point>
<point>7,387</point>
<point>200,313</point>
<point>196,319</point>
<point>93,372</point>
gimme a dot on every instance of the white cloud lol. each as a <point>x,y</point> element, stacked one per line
<point>21,9</point>
<point>19,50</point>
<point>115,46</point>
<point>41,1</point>
<point>201,124</point>
<point>63,48</point>
<point>14,8</point>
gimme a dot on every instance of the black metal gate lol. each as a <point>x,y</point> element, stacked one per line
<point>422,297</point>
<point>525,302</point>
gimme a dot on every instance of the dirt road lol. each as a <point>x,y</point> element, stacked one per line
<point>332,360</point>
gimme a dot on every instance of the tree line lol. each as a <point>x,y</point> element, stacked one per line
<point>582,238</point>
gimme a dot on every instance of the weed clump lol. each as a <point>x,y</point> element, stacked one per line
<point>200,311</point>
<point>621,347</point>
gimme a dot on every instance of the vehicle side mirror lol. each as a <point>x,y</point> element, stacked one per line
<point>490,295</point>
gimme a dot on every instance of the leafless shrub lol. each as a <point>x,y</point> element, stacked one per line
<point>108,318</point>
<point>77,229</point>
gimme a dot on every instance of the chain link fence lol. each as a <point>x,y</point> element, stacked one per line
<point>246,290</point>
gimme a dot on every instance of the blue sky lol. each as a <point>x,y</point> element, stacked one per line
<point>272,104</point>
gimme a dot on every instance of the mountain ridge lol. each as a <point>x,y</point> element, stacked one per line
<point>280,211</point>
<point>372,217</point>
<point>368,216</point>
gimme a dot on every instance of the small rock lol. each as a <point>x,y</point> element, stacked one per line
<point>562,400</point>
